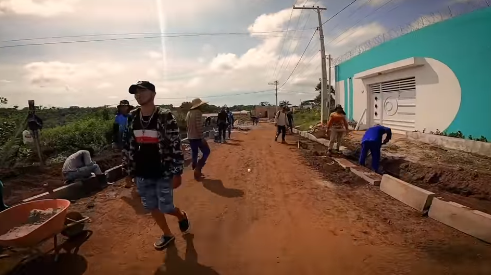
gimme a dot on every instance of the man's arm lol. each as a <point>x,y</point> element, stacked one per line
<point>128,149</point>
<point>115,130</point>
<point>171,133</point>
<point>86,157</point>
<point>388,135</point>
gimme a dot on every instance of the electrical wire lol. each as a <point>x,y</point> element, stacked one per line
<point>141,37</point>
<point>349,16</point>
<point>339,12</point>
<point>289,48</point>
<point>213,96</point>
<point>296,45</point>
<point>356,24</point>
<point>282,43</point>
<point>299,59</point>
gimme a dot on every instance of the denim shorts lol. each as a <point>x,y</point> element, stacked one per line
<point>156,194</point>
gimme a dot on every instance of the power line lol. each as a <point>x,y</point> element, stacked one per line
<point>356,24</point>
<point>282,42</point>
<point>289,47</point>
<point>359,7</point>
<point>135,33</point>
<point>299,59</point>
<point>141,37</point>
<point>303,29</point>
<point>339,12</point>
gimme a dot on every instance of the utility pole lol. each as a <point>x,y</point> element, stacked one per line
<point>275,83</point>
<point>324,93</point>
<point>329,87</point>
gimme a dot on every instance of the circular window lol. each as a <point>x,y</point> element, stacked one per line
<point>376,114</point>
<point>376,98</point>
<point>376,106</point>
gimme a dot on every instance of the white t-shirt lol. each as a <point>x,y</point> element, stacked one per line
<point>281,119</point>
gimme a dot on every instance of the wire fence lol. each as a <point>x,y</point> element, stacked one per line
<point>424,21</point>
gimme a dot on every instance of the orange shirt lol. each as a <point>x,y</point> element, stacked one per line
<point>337,121</point>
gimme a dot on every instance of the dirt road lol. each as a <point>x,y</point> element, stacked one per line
<point>280,217</point>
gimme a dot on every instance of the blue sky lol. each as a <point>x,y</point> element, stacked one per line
<point>99,73</point>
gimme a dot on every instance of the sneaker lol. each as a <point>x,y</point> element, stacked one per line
<point>163,242</point>
<point>185,225</point>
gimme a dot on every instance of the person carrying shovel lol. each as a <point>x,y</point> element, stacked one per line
<point>372,141</point>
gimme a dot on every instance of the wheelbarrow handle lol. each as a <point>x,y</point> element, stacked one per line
<point>74,222</point>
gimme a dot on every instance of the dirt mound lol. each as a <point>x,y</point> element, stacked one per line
<point>315,156</point>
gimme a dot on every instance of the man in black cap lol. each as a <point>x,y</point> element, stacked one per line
<point>120,123</point>
<point>152,156</point>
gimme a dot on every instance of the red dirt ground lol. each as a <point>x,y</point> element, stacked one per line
<point>281,217</point>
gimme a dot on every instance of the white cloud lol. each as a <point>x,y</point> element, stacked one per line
<point>56,73</point>
<point>376,3</point>
<point>104,85</point>
<point>359,34</point>
<point>45,8</point>
<point>4,81</point>
<point>154,55</point>
<point>203,72</point>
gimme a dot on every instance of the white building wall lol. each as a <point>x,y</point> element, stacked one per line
<point>360,101</point>
<point>438,92</point>
<point>340,93</point>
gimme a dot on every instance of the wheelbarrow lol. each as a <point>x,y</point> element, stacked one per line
<point>67,224</point>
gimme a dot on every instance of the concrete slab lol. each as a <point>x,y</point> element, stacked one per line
<point>346,164</point>
<point>323,141</point>
<point>370,177</point>
<point>311,137</point>
<point>42,196</point>
<point>418,198</point>
<point>462,218</point>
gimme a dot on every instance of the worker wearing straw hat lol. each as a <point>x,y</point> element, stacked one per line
<point>194,121</point>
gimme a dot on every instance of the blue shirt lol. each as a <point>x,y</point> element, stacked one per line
<point>122,121</point>
<point>375,133</point>
<point>231,117</point>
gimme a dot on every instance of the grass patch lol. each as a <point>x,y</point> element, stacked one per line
<point>306,118</point>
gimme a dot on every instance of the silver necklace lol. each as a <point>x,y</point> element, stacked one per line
<point>144,123</point>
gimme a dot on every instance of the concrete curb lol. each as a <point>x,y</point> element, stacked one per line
<point>71,191</point>
<point>462,218</point>
<point>346,164</point>
<point>411,195</point>
<point>370,177</point>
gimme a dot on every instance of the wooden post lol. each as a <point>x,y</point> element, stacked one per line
<point>35,133</point>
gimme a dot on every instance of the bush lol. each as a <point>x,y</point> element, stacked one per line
<point>91,132</point>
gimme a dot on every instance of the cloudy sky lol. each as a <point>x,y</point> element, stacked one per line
<point>221,50</point>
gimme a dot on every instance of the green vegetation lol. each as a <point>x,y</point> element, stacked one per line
<point>306,118</point>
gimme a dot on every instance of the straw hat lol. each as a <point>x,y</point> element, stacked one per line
<point>196,103</point>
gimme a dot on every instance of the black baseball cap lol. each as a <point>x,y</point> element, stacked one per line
<point>142,85</point>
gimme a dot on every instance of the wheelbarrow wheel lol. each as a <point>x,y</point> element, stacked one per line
<point>72,230</point>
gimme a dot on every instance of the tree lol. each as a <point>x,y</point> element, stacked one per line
<point>318,87</point>
<point>16,107</point>
<point>186,106</point>
<point>3,100</point>
<point>264,103</point>
<point>285,103</point>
